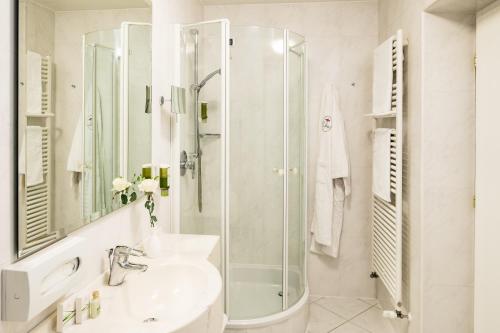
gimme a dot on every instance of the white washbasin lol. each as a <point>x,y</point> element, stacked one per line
<point>178,293</point>
<point>171,292</point>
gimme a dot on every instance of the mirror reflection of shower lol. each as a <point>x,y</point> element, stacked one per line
<point>101,116</point>
<point>189,161</point>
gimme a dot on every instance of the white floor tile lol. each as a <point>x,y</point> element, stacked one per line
<point>373,321</point>
<point>345,307</point>
<point>313,298</point>
<point>349,328</point>
<point>371,301</point>
<point>322,320</point>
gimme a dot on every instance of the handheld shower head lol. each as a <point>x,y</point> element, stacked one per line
<point>200,85</point>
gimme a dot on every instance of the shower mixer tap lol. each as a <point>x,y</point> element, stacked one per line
<point>188,162</point>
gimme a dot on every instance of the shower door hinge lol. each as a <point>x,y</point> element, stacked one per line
<point>475,61</point>
<point>474,202</point>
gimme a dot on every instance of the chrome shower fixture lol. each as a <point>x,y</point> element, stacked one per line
<point>197,87</point>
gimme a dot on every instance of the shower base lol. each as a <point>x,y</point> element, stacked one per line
<point>256,292</point>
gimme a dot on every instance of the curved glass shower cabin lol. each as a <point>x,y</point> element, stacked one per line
<point>242,148</point>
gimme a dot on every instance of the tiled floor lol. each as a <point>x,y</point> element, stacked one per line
<point>346,315</point>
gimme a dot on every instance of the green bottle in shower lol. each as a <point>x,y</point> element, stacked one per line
<point>164,185</point>
<point>204,111</point>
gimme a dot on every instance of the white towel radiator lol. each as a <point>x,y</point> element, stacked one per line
<point>387,217</point>
<point>36,215</point>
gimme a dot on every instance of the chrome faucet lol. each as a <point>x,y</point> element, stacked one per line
<point>119,265</point>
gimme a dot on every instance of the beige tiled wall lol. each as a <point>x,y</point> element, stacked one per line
<point>448,153</point>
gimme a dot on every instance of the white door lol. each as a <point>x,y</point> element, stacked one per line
<point>487,243</point>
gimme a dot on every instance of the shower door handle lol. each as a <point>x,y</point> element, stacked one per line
<point>147,108</point>
<point>278,171</point>
<point>293,171</point>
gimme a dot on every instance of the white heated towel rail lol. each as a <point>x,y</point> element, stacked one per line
<point>387,217</point>
<point>37,199</point>
<point>46,86</point>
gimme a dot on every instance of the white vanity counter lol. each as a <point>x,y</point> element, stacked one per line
<point>181,291</point>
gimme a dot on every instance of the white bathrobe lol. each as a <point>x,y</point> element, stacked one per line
<point>75,156</point>
<point>332,177</point>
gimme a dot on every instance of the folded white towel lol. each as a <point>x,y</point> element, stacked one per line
<point>75,156</point>
<point>382,77</point>
<point>31,159</point>
<point>332,176</point>
<point>33,83</point>
<point>382,163</point>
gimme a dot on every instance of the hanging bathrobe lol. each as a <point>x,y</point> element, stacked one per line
<point>332,177</point>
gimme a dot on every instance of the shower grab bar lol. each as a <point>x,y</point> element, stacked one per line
<point>215,135</point>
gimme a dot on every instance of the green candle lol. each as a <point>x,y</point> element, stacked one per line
<point>164,180</point>
<point>147,171</point>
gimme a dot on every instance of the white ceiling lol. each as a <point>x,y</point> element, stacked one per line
<point>458,6</point>
<point>66,5</point>
<point>229,2</point>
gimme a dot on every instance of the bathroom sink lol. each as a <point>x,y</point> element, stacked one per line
<point>180,294</point>
<point>171,292</point>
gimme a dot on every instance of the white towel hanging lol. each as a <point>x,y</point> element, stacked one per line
<point>75,156</point>
<point>33,83</point>
<point>382,163</point>
<point>34,156</point>
<point>382,77</point>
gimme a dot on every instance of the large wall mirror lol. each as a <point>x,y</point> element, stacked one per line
<point>84,111</point>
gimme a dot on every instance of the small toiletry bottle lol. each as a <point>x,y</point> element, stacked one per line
<point>164,186</point>
<point>95,305</point>
<point>204,112</point>
<point>147,171</point>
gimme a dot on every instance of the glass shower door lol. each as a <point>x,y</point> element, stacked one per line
<point>248,187</point>
<point>296,168</point>
<point>137,98</point>
<point>256,173</point>
<point>201,129</point>
<point>101,116</point>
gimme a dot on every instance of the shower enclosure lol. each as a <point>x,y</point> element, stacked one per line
<point>242,153</point>
<point>116,112</point>
<point>100,121</point>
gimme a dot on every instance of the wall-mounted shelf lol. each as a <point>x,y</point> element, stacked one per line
<point>389,114</point>
<point>42,115</point>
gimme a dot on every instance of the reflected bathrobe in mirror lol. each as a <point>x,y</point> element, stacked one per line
<point>332,184</point>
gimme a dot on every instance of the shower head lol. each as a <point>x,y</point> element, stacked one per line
<point>200,85</point>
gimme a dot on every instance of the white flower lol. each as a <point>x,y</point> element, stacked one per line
<point>120,184</point>
<point>148,186</point>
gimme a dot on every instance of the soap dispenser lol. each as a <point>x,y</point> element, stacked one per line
<point>95,305</point>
